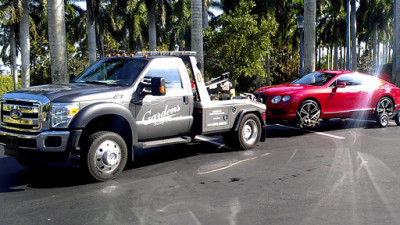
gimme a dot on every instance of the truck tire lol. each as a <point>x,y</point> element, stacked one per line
<point>106,155</point>
<point>248,134</point>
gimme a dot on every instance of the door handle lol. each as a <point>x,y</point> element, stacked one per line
<point>137,101</point>
<point>185,100</point>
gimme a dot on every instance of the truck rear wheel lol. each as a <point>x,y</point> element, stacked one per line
<point>248,134</point>
<point>106,156</point>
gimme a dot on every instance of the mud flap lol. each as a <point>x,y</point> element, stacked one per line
<point>263,134</point>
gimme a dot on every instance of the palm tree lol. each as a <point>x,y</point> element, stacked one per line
<point>11,14</point>
<point>197,30</point>
<point>91,31</point>
<point>374,17</point>
<point>13,56</point>
<point>206,4</point>
<point>57,41</point>
<point>25,45</point>
<point>353,34</point>
<point>396,52</point>
<point>151,6</point>
<point>309,35</point>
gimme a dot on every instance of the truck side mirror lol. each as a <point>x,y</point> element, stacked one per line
<point>158,86</point>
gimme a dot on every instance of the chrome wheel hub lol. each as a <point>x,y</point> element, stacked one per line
<point>250,132</point>
<point>384,120</point>
<point>309,114</point>
<point>385,106</point>
<point>108,156</point>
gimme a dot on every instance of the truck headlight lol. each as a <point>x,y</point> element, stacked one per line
<point>276,99</point>
<point>62,114</point>
<point>286,98</point>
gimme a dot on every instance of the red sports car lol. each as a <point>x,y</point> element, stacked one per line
<point>331,94</point>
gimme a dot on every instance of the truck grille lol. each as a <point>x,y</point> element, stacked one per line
<point>21,115</point>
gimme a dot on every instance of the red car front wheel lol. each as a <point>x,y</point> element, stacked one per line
<point>308,113</point>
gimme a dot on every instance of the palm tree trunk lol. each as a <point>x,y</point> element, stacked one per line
<point>91,32</point>
<point>205,14</point>
<point>353,31</point>
<point>152,26</point>
<point>57,41</point>
<point>197,31</point>
<point>268,70</point>
<point>328,58</point>
<point>387,50</point>
<point>319,57</point>
<point>378,46</point>
<point>25,45</point>
<point>383,52</point>
<point>332,50</point>
<point>336,54</point>
<point>101,42</point>
<point>396,44</point>
<point>374,45</point>
<point>341,58</point>
<point>13,55</point>
<point>99,29</point>
<point>309,35</point>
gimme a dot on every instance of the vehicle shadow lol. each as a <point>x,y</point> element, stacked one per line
<point>152,156</point>
<point>281,130</point>
<point>15,177</point>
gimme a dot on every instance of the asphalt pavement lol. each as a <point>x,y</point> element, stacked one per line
<point>343,172</point>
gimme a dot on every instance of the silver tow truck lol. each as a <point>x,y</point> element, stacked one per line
<point>120,104</point>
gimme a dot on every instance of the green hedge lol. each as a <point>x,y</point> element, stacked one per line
<point>7,84</point>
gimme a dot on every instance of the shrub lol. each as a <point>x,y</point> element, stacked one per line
<point>239,46</point>
<point>7,84</point>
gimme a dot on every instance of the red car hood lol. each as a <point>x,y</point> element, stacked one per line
<point>287,88</point>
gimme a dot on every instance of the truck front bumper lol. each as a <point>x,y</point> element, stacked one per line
<point>49,141</point>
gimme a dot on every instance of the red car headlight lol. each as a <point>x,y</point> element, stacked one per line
<point>286,98</point>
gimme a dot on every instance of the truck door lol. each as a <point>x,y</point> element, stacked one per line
<point>168,115</point>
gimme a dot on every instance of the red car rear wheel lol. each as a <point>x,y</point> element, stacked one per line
<point>384,110</point>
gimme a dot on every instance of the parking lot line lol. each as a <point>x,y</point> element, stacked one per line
<point>228,166</point>
<point>315,132</point>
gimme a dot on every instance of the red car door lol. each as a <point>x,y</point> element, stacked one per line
<point>344,101</point>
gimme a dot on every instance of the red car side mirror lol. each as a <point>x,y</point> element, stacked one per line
<point>340,85</point>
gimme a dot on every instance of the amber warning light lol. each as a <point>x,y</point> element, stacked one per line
<point>162,90</point>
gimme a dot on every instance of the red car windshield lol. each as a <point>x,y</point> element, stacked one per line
<point>316,78</point>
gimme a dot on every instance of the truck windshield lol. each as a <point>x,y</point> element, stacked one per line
<point>112,71</point>
<point>316,78</point>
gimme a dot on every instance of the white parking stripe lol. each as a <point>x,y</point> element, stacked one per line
<point>311,131</point>
<point>226,167</point>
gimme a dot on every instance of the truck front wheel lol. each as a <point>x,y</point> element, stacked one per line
<point>248,134</point>
<point>106,156</point>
